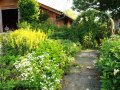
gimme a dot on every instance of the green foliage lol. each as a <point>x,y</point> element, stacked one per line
<point>22,41</point>
<point>70,47</point>
<point>29,10</point>
<point>103,5</point>
<point>40,67</point>
<point>43,16</point>
<point>90,28</point>
<point>51,30</point>
<point>109,64</point>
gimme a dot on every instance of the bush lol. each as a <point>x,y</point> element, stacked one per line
<point>51,30</point>
<point>70,47</point>
<point>90,28</point>
<point>44,67</point>
<point>29,10</point>
<point>22,41</point>
<point>39,69</point>
<point>109,64</point>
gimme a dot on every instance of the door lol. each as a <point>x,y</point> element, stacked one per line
<point>9,19</point>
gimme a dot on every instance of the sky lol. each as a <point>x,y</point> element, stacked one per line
<point>58,4</point>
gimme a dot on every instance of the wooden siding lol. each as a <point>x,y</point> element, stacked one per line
<point>8,4</point>
<point>54,14</point>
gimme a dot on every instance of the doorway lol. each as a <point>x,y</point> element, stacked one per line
<point>9,19</point>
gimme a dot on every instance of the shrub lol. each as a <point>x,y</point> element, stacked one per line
<point>51,30</point>
<point>90,28</point>
<point>109,64</point>
<point>29,10</point>
<point>44,68</point>
<point>39,69</point>
<point>23,41</point>
<point>70,47</point>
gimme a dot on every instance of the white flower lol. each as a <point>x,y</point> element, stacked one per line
<point>29,69</point>
<point>57,80</point>
<point>44,88</point>
<point>43,76</point>
<point>116,71</point>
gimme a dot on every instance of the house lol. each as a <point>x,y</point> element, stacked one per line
<point>56,17</point>
<point>9,15</point>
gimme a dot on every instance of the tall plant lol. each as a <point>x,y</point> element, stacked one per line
<point>91,27</point>
<point>29,10</point>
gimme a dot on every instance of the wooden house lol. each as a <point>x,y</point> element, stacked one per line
<point>9,15</point>
<point>56,17</point>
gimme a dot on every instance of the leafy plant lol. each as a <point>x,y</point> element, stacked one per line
<point>109,64</point>
<point>29,10</point>
<point>23,41</point>
<point>44,68</point>
<point>70,47</point>
<point>90,28</point>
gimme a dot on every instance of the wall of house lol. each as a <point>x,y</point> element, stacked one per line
<point>53,18</point>
<point>6,4</point>
<point>69,23</point>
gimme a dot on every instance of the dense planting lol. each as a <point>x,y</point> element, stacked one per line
<point>31,61</point>
<point>91,28</point>
<point>109,64</point>
<point>23,41</point>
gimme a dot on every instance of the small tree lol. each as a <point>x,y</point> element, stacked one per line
<point>29,10</point>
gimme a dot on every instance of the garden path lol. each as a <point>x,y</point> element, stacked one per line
<point>84,77</point>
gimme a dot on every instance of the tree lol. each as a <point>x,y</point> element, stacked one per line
<point>112,6</point>
<point>29,10</point>
<point>91,27</point>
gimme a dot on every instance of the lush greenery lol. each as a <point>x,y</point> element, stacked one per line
<point>103,5</point>
<point>50,29</point>
<point>109,64</point>
<point>29,10</point>
<point>23,41</point>
<point>36,56</point>
<point>31,61</point>
<point>90,28</point>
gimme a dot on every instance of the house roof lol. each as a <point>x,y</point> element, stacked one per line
<point>54,10</point>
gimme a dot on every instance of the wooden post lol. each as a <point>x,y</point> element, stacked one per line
<point>1,24</point>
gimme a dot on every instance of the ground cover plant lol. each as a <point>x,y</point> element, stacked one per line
<point>109,64</point>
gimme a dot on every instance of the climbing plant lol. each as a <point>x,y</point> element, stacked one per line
<point>29,10</point>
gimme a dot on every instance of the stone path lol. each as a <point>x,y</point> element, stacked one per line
<point>85,77</point>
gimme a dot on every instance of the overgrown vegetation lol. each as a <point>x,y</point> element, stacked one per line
<point>36,56</point>
<point>90,28</point>
<point>31,61</point>
<point>109,64</point>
